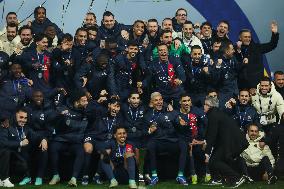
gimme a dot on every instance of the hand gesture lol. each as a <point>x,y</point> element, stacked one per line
<point>245,61</point>
<point>152,128</point>
<point>182,122</point>
<point>103,93</point>
<point>128,154</point>
<point>177,82</point>
<point>24,142</point>
<point>43,145</point>
<point>139,84</point>
<point>5,123</point>
<point>177,43</point>
<point>84,81</point>
<point>274,26</point>
<point>124,34</point>
<point>239,44</point>
<point>206,70</point>
<point>170,108</point>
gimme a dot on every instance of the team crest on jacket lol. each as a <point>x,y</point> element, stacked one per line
<point>41,117</point>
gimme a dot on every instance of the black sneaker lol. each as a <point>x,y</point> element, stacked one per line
<point>85,180</point>
<point>214,182</point>
<point>272,179</point>
<point>97,179</point>
<point>248,179</point>
<point>238,183</point>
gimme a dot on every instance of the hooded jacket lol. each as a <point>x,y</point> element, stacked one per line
<point>253,154</point>
<point>269,104</point>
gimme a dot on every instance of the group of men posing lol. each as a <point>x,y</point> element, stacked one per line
<point>90,95</point>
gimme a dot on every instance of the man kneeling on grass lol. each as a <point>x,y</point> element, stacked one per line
<point>119,162</point>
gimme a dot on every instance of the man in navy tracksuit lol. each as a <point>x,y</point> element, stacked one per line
<point>132,113</point>
<point>167,74</point>
<point>127,71</point>
<point>99,135</point>
<point>242,110</point>
<point>15,142</point>
<point>37,64</point>
<point>99,76</point>
<point>79,48</point>
<point>109,27</point>
<point>14,92</point>
<point>68,135</point>
<point>41,22</point>
<point>161,135</point>
<point>64,62</point>
<point>198,73</point>
<point>190,131</point>
<point>226,73</point>
<point>122,154</point>
<point>42,118</point>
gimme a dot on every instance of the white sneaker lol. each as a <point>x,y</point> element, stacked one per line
<point>7,183</point>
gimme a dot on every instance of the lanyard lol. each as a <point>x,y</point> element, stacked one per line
<point>121,150</point>
<point>40,60</point>
<point>242,118</point>
<point>164,72</point>
<point>155,117</point>
<point>21,135</point>
<point>109,126</point>
<point>208,47</point>
<point>16,87</point>
<point>131,114</point>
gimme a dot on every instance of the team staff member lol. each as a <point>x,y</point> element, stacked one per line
<point>225,143</point>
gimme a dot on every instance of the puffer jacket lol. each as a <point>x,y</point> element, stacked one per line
<point>269,104</point>
<point>253,154</point>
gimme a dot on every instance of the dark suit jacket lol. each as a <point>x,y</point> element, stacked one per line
<point>223,132</point>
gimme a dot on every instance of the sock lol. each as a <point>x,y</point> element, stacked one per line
<point>131,181</point>
<point>180,174</point>
<point>154,173</point>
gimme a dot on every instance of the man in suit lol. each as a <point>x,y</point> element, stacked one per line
<point>225,142</point>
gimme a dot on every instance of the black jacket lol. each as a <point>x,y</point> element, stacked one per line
<point>71,126</point>
<point>42,118</point>
<point>12,136</point>
<point>277,141</point>
<point>223,132</point>
<point>133,121</point>
<point>253,72</point>
<point>165,128</point>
